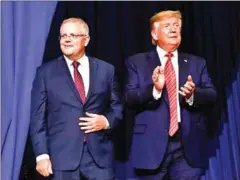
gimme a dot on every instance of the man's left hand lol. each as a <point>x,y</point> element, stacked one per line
<point>188,88</point>
<point>92,123</point>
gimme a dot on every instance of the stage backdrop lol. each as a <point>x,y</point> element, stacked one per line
<point>25,27</point>
<point>118,30</point>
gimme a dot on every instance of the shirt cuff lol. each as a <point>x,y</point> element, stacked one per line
<point>156,94</point>
<point>107,123</point>
<point>42,156</point>
<point>190,100</point>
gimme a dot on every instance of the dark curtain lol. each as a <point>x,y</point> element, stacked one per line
<point>210,30</point>
<point>24,29</point>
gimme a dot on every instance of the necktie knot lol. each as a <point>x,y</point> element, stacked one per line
<point>75,64</point>
<point>169,55</point>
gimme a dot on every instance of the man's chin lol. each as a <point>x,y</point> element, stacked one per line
<point>174,43</point>
<point>67,53</point>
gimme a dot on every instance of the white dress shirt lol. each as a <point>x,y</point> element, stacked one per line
<point>163,59</point>
<point>83,69</point>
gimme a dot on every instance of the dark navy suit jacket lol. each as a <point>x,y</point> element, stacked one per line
<point>56,107</point>
<point>150,131</point>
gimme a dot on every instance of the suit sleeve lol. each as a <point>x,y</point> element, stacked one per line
<point>205,94</point>
<point>134,94</point>
<point>114,113</point>
<point>38,129</point>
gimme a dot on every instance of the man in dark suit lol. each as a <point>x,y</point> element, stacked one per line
<point>169,91</point>
<point>75,106</point>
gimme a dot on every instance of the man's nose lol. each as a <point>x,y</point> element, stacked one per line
<point>68,39</point>
<point>173,29</point>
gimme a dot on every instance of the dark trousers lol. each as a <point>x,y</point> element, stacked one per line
<point>87,170</point>
<point>174,165</point>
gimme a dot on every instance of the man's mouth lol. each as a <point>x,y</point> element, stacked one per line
<point>173,37</point>
<point>68,46</point>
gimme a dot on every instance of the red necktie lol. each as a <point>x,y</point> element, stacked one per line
<point>79,85</point>
<point>79,81</point>
<point>170,79</point>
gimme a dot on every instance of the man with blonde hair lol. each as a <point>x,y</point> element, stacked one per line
<point>75,106</point>
<point>169,91</point>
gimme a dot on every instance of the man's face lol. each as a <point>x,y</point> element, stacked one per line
<point>73,40</point>
<point>167,33</point>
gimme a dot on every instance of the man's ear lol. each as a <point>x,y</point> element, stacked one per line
<point>86,41</point>
<point>154,34</point>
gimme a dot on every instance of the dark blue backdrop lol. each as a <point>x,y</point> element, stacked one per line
<point>118,30</point>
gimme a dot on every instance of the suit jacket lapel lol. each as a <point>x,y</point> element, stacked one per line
<point>68,78</point>
<point>92,75</point>
<point>153,62</point>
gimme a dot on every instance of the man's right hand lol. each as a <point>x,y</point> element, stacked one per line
<point>44,167</point>
<point>158,78</point>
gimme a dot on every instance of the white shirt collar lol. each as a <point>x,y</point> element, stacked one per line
<point>83,61</point>
<point>162,53</point>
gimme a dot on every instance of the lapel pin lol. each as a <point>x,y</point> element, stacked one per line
<point>185,60</point>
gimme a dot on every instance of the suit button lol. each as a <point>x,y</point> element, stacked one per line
<point>166,131</point>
